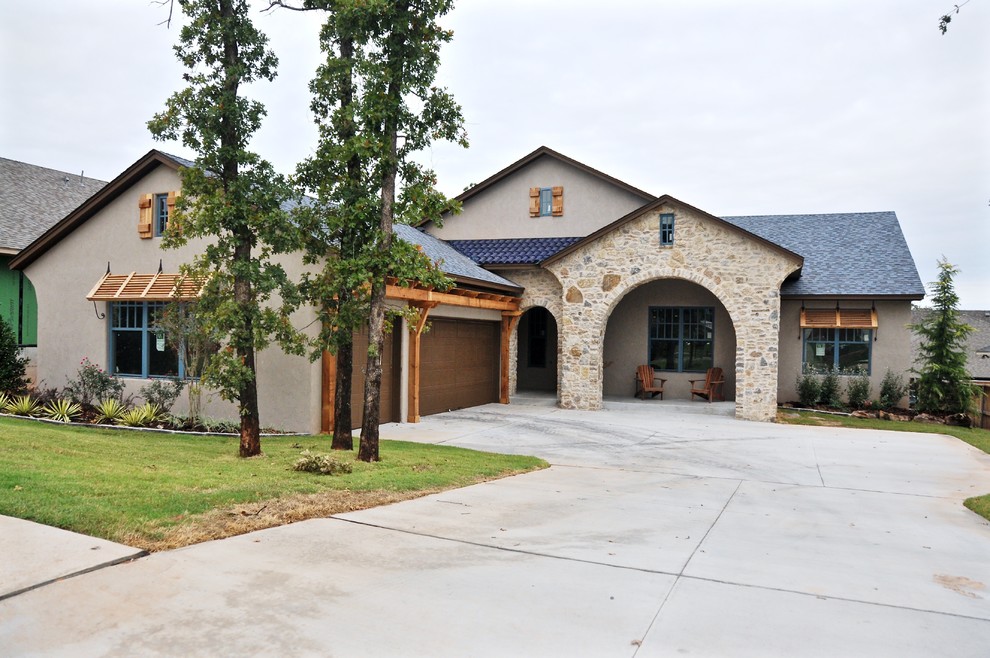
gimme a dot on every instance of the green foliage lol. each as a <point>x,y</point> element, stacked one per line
<point>162,393</point>
<point>232,197</point>
<point>828,390</point>
<point>321,464</point>
<point>110,410</point>
<point>858,391</point>
<point>141,416</point>
<point>22,405</point>
<point>62,410</point>
<point>808,389</point>
<point>93,383</point>
<point>12,364</point>
<point>218,426</point>
<point>943,382</point>
<point>892,389</point>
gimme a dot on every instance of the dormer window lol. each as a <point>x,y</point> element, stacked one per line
<point>546,201</point>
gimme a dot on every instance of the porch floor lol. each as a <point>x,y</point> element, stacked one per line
<point>619,403</point>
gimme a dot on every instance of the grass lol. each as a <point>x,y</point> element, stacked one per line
<point>156,491</point>
<point>978,438</point>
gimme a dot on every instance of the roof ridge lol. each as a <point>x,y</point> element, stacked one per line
<point>57,171</point>
<point>814,214</point>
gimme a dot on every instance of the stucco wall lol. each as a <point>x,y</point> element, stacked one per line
<point>502,211</point>
<point>69,329</point>
<point>627,339</point>
<point>743,273</point>
<point>891,349</point>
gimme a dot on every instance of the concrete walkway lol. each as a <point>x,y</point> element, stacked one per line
<point>656,533</point>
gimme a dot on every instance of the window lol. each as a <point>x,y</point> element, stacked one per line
<point>546,200</point>
<point>682,339</point>
<point>846,351</point>
<point>161,214</point>
<point>666,229</point>
<point>137,347</point>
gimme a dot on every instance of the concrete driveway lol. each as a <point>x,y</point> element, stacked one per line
<point>656,533</point>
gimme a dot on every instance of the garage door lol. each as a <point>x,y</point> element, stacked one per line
<point>390,379</point>
<point>459,365</point>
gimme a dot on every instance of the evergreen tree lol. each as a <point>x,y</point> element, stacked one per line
<point>12,364</point>
<point>943,383</point>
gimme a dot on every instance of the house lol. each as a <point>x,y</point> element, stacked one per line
<point>32,199</point>
<point>567,279</point>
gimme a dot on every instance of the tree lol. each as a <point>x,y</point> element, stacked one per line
<point>12,364</point>
<point>943,22</point>
<point>186,332</point>
<point>232,197</point>
<point>943,384</point>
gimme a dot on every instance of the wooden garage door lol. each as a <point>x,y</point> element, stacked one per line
<point>390,379</point>
<point>459,365</point>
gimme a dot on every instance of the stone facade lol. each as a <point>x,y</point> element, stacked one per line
<point>744,273</point>
<point>542,289</point>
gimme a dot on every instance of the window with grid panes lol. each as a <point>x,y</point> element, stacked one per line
<point>137,346</point>
<point>846,351</point>
<point>682,339</point>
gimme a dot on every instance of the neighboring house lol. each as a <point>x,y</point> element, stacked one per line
<point>567,280</point>
<point>977,344</point>
<point>32,200</point>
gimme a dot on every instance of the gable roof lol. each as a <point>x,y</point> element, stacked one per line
<point>669,200</point>
<point>845,254</point>
<point>511,251</point>
<point>94,204</point>
<point>541,152</point>
<point>461,268</point>
<point>34,198</point>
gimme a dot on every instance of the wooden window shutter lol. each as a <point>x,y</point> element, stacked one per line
<point>557,208</point>
<point>822,318</point>
<point>171,212</point>
<point>534,202</point>
<point>145,216</point>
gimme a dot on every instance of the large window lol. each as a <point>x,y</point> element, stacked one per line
<point>846,351</point>
<point>137,346</point>
<point>682,339</point>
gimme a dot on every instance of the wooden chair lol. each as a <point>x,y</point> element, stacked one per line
<point>712,386</point>
<point>645,383</point>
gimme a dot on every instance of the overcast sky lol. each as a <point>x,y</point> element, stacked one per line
<point>772,107</point>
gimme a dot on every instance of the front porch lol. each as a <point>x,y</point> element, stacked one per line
<point>632,404</point>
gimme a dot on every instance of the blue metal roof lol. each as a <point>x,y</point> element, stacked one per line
<point>861,253</point>
<point>511,251</point>
<point>449,259</point>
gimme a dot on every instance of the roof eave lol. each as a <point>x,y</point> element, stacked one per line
<point>489,285</point>
<point>856,296</point>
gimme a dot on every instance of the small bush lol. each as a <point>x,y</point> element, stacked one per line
<point>808,390</point>
<point>858,391</point>
<point>110,410</point>
<point>828,393</point>
<point>22,405</point>
<point>93,383</point>
<point>892,389</point>
<point>322,464</point>
<point>141,416</point>
<point>162,393</point>
<point>62,410</point>
<point>220,426</point>
<point>12,364</point>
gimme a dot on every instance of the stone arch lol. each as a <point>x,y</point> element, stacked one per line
<point>542,289</point>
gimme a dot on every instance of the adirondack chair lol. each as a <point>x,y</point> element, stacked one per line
<point>712,386</point>
<point>645,383</point>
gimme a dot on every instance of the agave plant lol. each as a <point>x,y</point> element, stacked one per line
<point>110,410</point>
<point>22,405</point>
<point>4,400</point>
<point>140,416</point>
<point>62,410</point>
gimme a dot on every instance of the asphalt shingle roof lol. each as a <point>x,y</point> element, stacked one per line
<point>511,251</point>
<point>33,199</point>
<point>449,259</point>
<point>862,253</point>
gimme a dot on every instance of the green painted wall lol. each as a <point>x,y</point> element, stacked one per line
<point>18,304</point>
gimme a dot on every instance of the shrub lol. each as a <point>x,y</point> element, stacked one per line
<point>12,364</point>
<point>110,410</point>
<point>141,416</point>
<point>93,383</point>
<point>62,410</point>
<point>322,464</point>
<point>22,405</point>
<point>858,391</point>
<point>892,389</point>
<point>215,426</point>
<point>808,390</point>
<point>828,392</point>
<point>162,393</point>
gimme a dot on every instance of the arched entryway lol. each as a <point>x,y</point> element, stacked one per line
<point>678,327</point>
<point>536,353</point>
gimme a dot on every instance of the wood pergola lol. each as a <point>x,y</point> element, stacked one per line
<point>425,300</point>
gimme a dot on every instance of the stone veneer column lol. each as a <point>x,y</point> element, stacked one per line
<point>542,289</point>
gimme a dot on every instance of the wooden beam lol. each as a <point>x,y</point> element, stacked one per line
<point>415,334</point>
<point>509,320</point>
<point>328,397</point>
<point>420,295</point>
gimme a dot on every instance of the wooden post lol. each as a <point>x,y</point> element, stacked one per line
<point>329,363</point>
<point>415,333</point>
<point>509,320</point>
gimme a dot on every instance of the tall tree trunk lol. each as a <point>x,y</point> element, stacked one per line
<point>342,422</point>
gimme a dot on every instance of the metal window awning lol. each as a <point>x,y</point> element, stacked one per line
<point>836,318</point>
<point>157,287</point>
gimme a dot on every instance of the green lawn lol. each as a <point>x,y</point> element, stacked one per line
<point>978,438</point>
<point>139,487</point>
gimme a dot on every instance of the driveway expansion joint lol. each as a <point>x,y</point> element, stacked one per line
<point>81,572</point>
